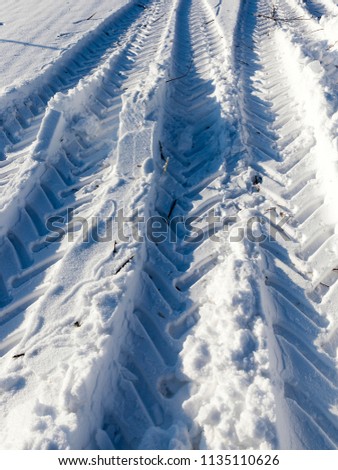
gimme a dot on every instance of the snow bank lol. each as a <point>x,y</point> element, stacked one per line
<point>227,359</point>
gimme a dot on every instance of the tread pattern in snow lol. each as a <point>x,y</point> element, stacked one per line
<point>20,127</point>
<point>281,149</point>
<point>149,393</point>
<point>25,251</point>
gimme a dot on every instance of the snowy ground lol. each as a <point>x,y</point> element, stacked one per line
<point>33,35</point>
<point>217,122</point>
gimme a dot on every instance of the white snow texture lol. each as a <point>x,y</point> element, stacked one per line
<point>207,319</point>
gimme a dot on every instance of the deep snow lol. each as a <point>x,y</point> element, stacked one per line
<point>169,109</point>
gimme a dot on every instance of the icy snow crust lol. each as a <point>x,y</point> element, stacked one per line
<point>169,109</point>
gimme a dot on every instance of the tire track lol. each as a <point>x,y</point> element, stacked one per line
<point>314,44</point>
<point>145,406</point>
<point>61,187</point>
<point>276,174</point>
<point>317,9</point>
<point>20,124</point>
<point>284,149</point>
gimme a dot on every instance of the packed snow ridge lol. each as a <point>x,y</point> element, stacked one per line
<point>168,224</point>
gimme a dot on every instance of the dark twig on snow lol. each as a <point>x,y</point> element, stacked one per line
<point>91,16</point>
<point>123,265</point>
<point>279,19</point>
<point>316,31</point>
<point>181,76</point>
<point>332,45</point>
<point>16,356</point>
<point>172,207</point>
<point>157,19</point>
<point>86,19</point>
<point>324,285</point>
<point>162,152</point>
<point>274,10</point>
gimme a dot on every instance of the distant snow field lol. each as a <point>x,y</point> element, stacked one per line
<point>168,224</point>
<point>34,34</point>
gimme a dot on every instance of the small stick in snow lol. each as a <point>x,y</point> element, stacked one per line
<point>325,285</point>
<point>316,31</point>
<point>165,166</point>
<point>86,19</point>
<point>332,45</point>
<point>274,10</point>
<point>114,247</point>
<point>123,265</point>
<point>90,17</point>
<point>270,209</point>
<point>16,356</point>
<point>63,34</point>
<point>181,76</point>
<point>172,207</point>
<point>286,20</point>
<point>157,19</point>
<point>208,22</point>
<point>161,151</point>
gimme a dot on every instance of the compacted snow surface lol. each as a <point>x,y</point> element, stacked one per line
<point>215,122</point>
